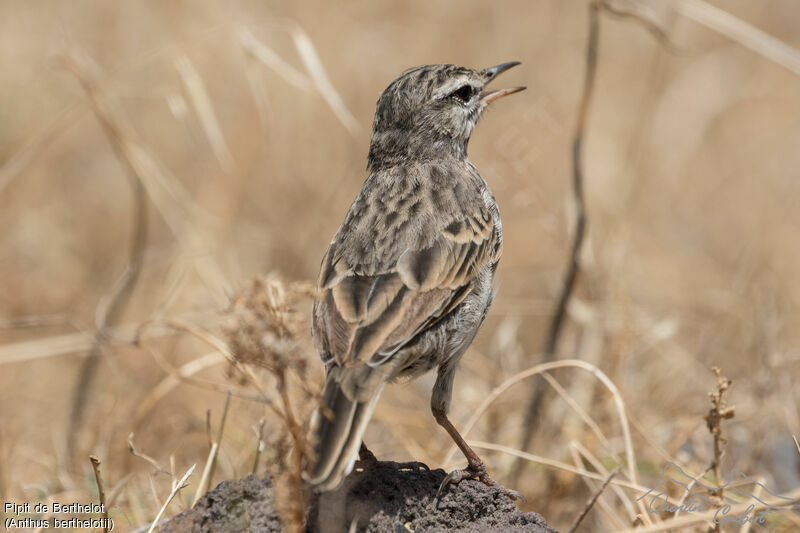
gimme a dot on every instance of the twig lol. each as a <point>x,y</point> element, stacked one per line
<point>718,412</point>
<point>592,501</point>
<point>132,449</point>
<point>616,521</point>
<point>585,454</point>
<point>100,489</point>
<point>120,295</point>
<point>636,11</point>
<point>571,275</point>
<point>176,488</point>
<point>796,444</point>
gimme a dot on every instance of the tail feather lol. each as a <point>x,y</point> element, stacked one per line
<point>337,428</point>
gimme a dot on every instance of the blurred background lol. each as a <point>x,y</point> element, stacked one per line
<point>156,156</point>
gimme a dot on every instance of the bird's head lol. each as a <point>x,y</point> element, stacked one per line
<point>431,110</point>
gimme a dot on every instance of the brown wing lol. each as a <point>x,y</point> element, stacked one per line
<point>360,318</point>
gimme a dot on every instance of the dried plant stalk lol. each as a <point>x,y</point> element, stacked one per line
<point>266,332</point>
<point>718,412</point>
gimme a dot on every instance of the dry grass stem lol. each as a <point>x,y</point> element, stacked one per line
<point>265,332</point>
<point>567,363</point>
<point>552,463</point>
<point>211,462</point>
<point>592,500</point>
<point>268,57</point>
<point>718,412</point>
<point>570,401</point>
<point>113,305</point>
<point>688,492</point>
<point>308,53</point>
<point>75,343</point>
<point>245,371</point>
<point>584,453</point>
<point>176,488</point>
<point>259,445</point>
<point>157,467</point>
<point>233,139</point>
<point>580,221</point>
<point>614,517</point>
<point>203,106</point>
<point>758,492</point>
<point>24,157</point>
<point>645,14</point>
<point>101,491</point>
<point>742,32</point>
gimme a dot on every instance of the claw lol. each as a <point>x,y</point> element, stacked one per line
<point>368,461</point>
<point>477,472</point>
<point>410,465</point>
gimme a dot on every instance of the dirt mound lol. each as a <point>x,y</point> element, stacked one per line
<point>378,500</point>
<point>234,506</point>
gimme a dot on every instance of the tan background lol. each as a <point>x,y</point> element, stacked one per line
<point>692,257</point>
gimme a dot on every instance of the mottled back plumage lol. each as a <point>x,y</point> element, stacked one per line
<point>407,280</point>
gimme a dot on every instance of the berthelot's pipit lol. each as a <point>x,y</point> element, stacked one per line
<point>407,280</point>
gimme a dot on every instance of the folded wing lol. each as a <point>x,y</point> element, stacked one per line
<point>365,319</point>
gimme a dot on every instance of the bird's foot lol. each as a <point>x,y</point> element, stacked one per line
<point>475,471</point>
<point>368,461</point>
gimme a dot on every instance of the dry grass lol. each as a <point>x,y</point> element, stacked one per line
<point>246,128</point>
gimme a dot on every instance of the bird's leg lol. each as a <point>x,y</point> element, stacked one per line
<point>476,469</point>
<point>368,461</point>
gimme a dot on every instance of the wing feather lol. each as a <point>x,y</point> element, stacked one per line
<point>372,304</point>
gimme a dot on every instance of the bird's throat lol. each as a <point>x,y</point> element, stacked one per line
<point>396,147</point>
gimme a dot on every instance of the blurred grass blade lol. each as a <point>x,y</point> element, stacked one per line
<point>313,64</point>
<point>272,60</point>
<point>22,158</point>
<point>198,96</point>
<point>16,352</point>
<point>742,32</point>
<point>171,381</point>
<point>176,488</point>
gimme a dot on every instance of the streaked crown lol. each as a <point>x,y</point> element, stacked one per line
<point>430,111</point>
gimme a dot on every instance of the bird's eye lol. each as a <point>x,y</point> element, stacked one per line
<point>463,93</point>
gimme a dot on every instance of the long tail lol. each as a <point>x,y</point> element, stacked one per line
<point>337,428</point>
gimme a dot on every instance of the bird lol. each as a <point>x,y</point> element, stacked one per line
<point>408,278</point>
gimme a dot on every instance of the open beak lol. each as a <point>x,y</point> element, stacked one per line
<point>490,74</point>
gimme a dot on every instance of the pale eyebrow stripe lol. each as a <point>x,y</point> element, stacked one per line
<point>452,86</point>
